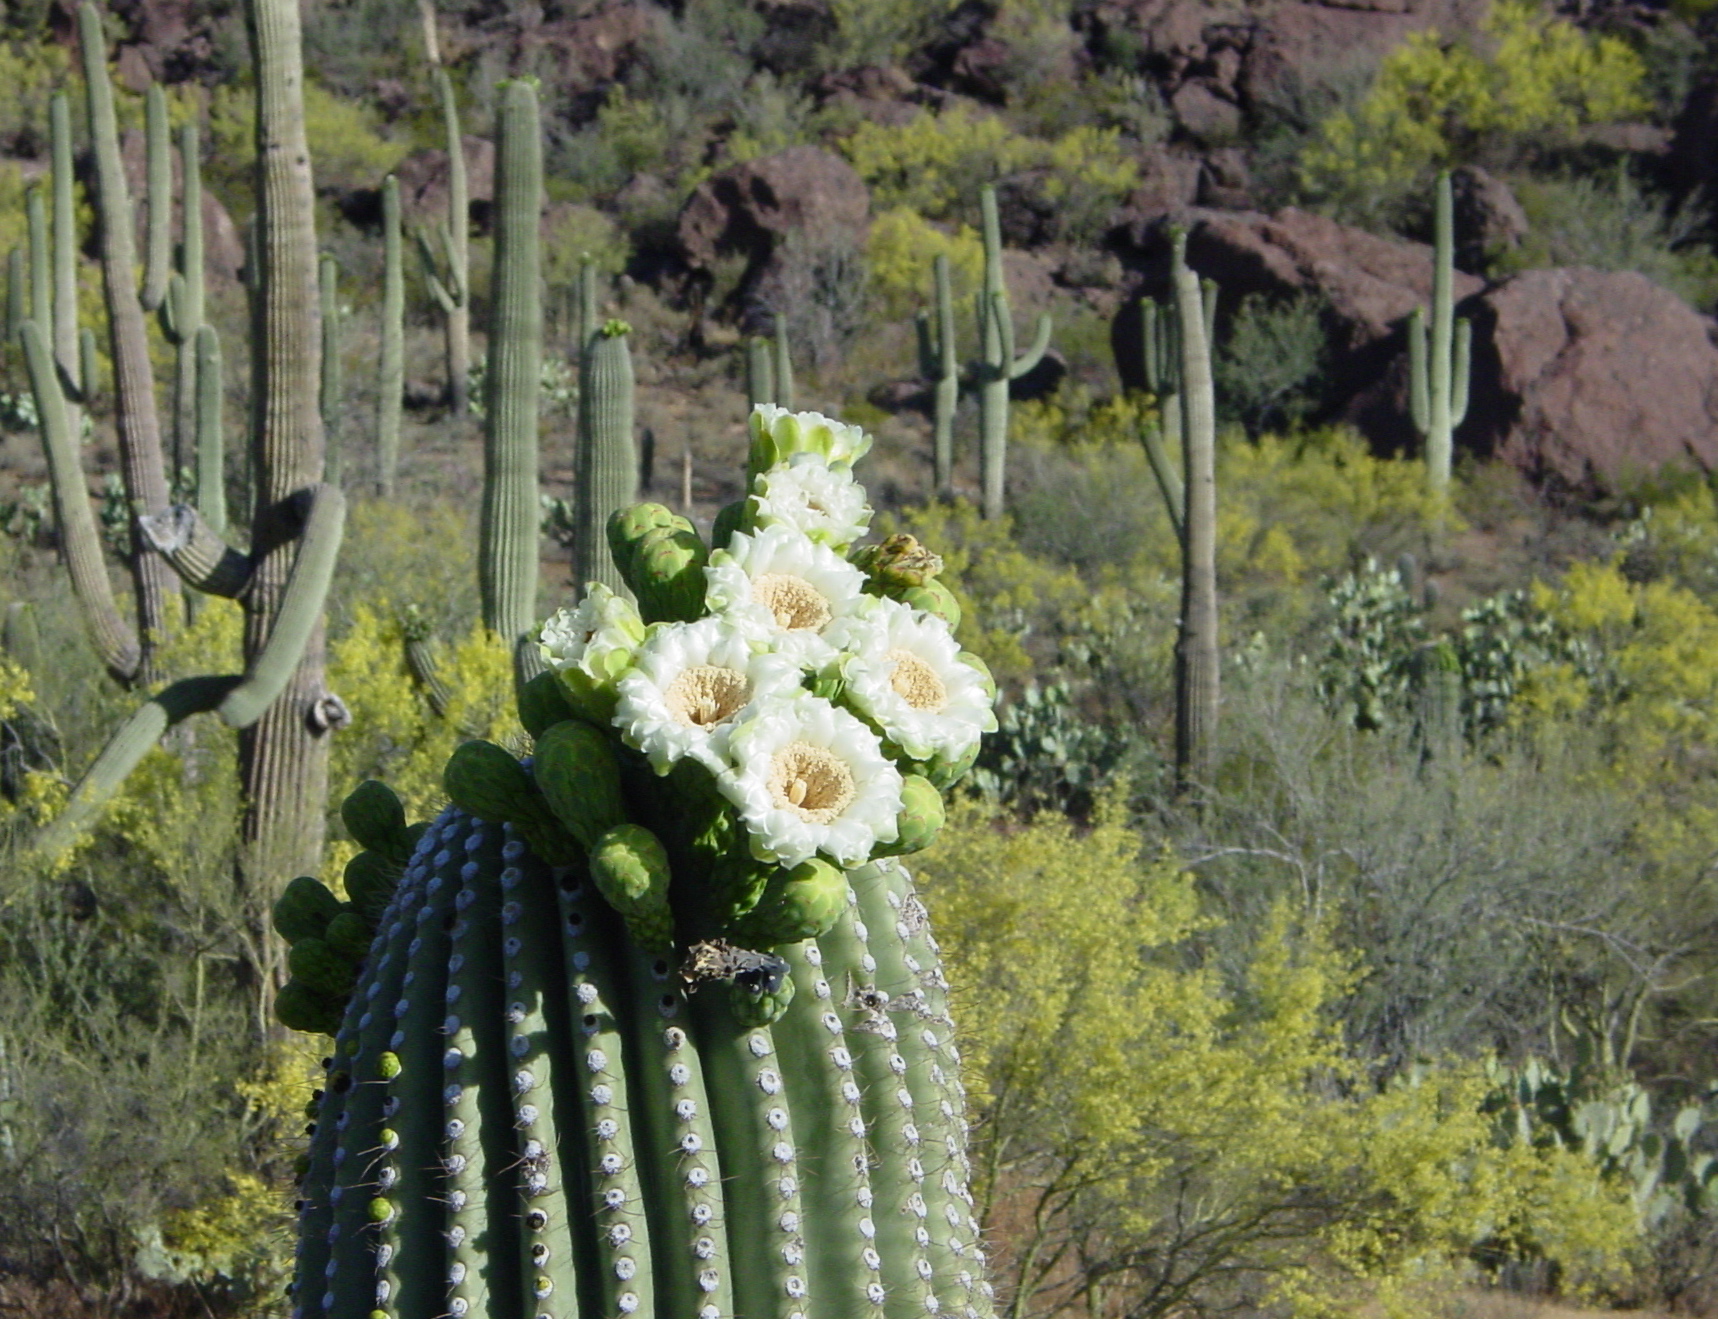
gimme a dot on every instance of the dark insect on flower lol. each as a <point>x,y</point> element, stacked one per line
<point>717,959</point>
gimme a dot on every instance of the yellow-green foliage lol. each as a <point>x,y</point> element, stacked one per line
<point>1434,100</point>
<point>881,31</point>
<point>31,72</point>
<point>1160,1101</point>
<point>16,690</point>
<point>578,233</point>
<point>934,164</point>
<point>899,252</point>
<point>345,138</point>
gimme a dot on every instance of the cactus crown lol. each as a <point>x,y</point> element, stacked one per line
<point>650,1023</point>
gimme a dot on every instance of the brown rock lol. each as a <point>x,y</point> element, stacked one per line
<point>1224,180</point>
<point>594,49</point>
<point>1169,183</point>
<point>423,180</point>
<point>1203,114</point>
<point>751,208</point>
<point>1588,377</point>
<point>1488,218</point>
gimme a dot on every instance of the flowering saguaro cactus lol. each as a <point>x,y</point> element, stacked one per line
<point>651,1023</point>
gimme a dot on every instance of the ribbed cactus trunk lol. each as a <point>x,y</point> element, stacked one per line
<point>1438,372</point>
<point>997,365</point>
<point>141,462</point>
<point>507,552</point>
<point>284,755</point>
<point>68,349</point>
<point>451,284</point>
<point>391,371</point>
<point>182,312</point>
<point>1196,648</point>
<point>607,461</point>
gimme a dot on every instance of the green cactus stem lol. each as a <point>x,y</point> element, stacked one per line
<point>158,206</point>
<point>1438,370</point>
<point>607,461</point>
<point>1160,434</point>
<point>939,364</point>
<point>332,392</point>
<point>421,660</point>
<point>210,430</point>
<point>447,272</point>
<point>391,372</point>
<point>141,461</point>
<point>80,539</point>
<point>1196,647</point>
<point>585,315</point>
<point>17,293</point>
<point>997,365</point>
<point>239,700</point>
<point>77,379</point>
<point>507,554</point>
<point>182,312</point>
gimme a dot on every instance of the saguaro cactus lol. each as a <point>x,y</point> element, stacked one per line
<point>182,311</point>
<point>938,363</point>
<point>1196,646</point>
<point>609,1041</point>
<point>997,365</point>
<point>1160,350</point>
<point>391,370</point>
<point>607,459</point>
<point>508,530</point>
<point>332,392</point>
<point>448,271</point>
<point>1438,372</point>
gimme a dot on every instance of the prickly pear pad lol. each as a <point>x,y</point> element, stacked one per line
<point>535,1105</point>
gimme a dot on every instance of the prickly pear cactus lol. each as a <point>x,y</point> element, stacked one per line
<point>650,1023</point>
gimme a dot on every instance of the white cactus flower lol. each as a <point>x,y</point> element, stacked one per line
<point>778,434</point>
<point>688,683</point>
<point>783,588</point>
<point>902,670</point>
<point>591,646</point>
<point>806,494</point>
<point>809,778</point>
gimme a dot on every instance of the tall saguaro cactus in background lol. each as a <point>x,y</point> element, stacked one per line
<point>1438,371</point>
<point>332,394</point>
<point>607,461</point>
<point>1160,349</point>
<point>279,702</point>
<point>448,272</point>
<point>183,310</point>
<point>391,369</point>
<point>939,363</point>
<point>769,366</point>
<point>997,366</point>
<point>508,530</point>
<point>1196,645</point>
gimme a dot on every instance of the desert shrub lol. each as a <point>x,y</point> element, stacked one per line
<point>579,233</point>
<point>935,164</point>
<point>880,31</point>
<point>900,249</point>
<point>31,72</point>
<point>345,137</point>
<point>1614,224</point>
<point>817,283</point>
<point>1214,1144</point>
<point>1268,372</point>
<point>1437,102</point>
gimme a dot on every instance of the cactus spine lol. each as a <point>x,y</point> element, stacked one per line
<point>1438,371</point>
<point>1196,650</point>
<point>448,272</point>
<point>333,382</point>
<point>997,364</point>
<point>939,364</point>
<point>391,374</point>
<point>508,530</point>
<point>607,461</point>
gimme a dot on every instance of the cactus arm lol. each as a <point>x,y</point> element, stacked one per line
<point>141,461</point>
<point>172,314</point>
<point>508,525</point>
<point>540,1047</point>
<point>760,374</point>
<point>1208,305</point>
<point>443,296</point>
<point>358,1168</point>
<point>1035,354</point>
<point>65,250</point>
<point>158,172</point>
<point>1460,371</point>
<point>944,371</point>
<point>782,363</point>
<point>894,1121</point>
<point>1196,655</point>
<point>332,385</point>
<point>181,312</point>
<point>1419,397</point>
<point>1150,348</point>
<point>925,336</point>
<point>825,1102</point>
<point>480,1147</point>
<point>585,307</point>
<point>623,1272</point>
<point>197,552</point>
<point>1168,479</point>
<point>191,227</point>
<point>41,277</point>
<point>680,1150</point>
<point>80,542</point>
<point>210,432</point>
<point>416,1270</point>
<point>391,370</point>
<point>607,460</point>
<point>89,371</point>
<point>457,240</point>
<point>764,1208</point>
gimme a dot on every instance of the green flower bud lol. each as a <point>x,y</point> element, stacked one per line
<point>920,819</point>
<point>898,562</point>
<point>576,772</point>
<point>376,819</point>
<point>935,599</point>
<point>370,879</point>
<point>627,526</point>
<point>796,904</point>
<point>668,575</point>
<point>485,780</point>
<point>630,869</point>
<point>304,909</point>
<point>754,1004</point>
<point>348,936</point>
<point>298,1007</point>
<point>320,969</point>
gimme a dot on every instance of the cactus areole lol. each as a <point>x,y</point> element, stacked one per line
<point>651,1023</point>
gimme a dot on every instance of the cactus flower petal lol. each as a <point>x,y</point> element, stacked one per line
<point>784,588</point>
<point>806,494</point>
